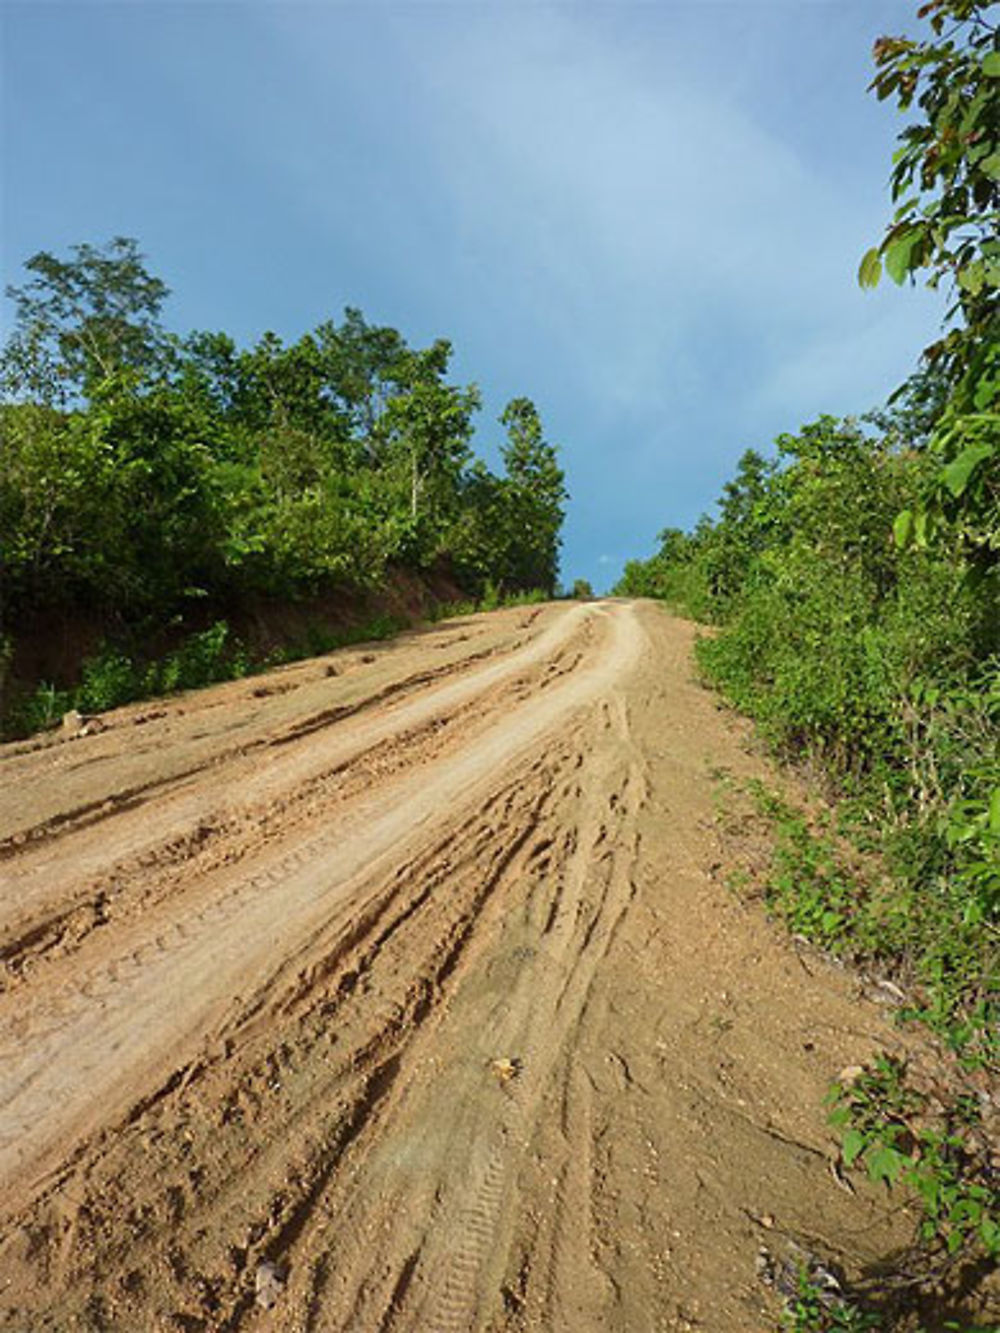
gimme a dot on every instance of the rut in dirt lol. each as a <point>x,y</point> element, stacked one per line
<point>406,997</point>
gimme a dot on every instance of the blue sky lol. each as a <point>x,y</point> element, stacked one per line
<point>645,216</point>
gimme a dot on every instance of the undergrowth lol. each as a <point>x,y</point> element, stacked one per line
<point>935,1137</point>
<point>859,909</point>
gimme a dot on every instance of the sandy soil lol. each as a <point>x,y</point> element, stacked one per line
<point>399,990</point>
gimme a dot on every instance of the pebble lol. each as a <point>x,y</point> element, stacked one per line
<point>269,1284</point>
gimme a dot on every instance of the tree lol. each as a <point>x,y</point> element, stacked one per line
<point>946,183</point>
<point>424,439</point>
<point>84,323</point>
<point>146,477</point>
<point>536,487</point>
<point>364,366</point>
<point>745,525</point>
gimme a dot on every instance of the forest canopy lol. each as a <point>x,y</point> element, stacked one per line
<point>142,472</point>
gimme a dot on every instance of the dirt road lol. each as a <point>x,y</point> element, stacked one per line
<point>399,990</point>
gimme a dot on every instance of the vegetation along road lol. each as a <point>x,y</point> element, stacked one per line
<point>399,989</point>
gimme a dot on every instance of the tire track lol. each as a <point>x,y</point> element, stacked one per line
<point>192,817</point>
<point>184,867</point>
<point>459,1206</point>
<point>62,1083</point>
<point>545,1015</point>
<point>377,990</point>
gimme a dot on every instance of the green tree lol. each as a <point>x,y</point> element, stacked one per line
<point>83,323</point>
<point>139,470</point>
<point>364,366</point>
<point>747,518</point>
<point>946,183</point>
<point>537,495</point>
<point>422,444</point>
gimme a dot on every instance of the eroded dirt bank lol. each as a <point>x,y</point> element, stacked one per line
<point>398,990</point>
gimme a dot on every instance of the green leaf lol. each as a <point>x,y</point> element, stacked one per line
<point>898,252</point>
<point>990,166</point>
<point>957,474</point>
<point>886,1164</point>
<point>995,810</point>
<point>921,523</point>
<point>990,1233</point>
<point>871,269</point>
<point>902,528</point>
<point>991,65</point>
<point>972,277</point>
<point>853,1145</point>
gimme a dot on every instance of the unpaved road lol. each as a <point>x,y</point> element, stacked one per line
<point>399,990</point>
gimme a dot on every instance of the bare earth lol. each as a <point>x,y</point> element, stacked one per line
<point>400,990</point>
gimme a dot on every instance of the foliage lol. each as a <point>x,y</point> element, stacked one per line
<point>809,886</point>
<point>142,473</point>
<point>938,1150</point>
<point>946,172</point>
<point>536,495</point>
<point>83,322</point>
<point>582,589</point>
<point>847,908</point>
<point>812,1310</point>
<point>946,184</point>
<point>674,575</point>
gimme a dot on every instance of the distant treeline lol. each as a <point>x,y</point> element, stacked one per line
<point>141,473</point>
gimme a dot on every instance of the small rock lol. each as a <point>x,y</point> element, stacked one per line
<point>505,1068</point>
<point>888,992</point>
<point>269,1284</point>
<point>850,1075</point>
<point>74,723</point>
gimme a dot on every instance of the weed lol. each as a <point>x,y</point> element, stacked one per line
<point>812,1309</point>
<point>941,1153</point>
<point>852,908</point>
<point>808,884</point>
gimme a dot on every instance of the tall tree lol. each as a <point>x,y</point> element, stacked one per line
<point>425,433</point>
<point>83,323</point>
<point>536,486</point>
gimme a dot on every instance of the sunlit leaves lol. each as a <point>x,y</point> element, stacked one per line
<point>958,473</point>
<point>870,269</point>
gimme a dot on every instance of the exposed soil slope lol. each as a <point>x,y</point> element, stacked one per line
<point>396,990</point>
